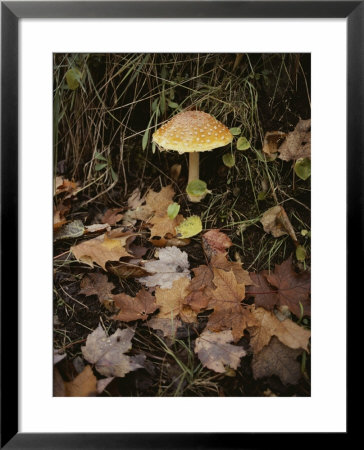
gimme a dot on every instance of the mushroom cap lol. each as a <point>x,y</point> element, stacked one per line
<point>192,131</point>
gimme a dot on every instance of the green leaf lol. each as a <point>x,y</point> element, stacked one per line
<point>113,175</point>
<point>73,78</point>
<point>100,156</point>
<point>173,210</point>
<point>228,159</point>
<point>261,195</point>
<point>301,253</point>
<point>303,168</point>
<point>173,105</point>
<point>242,143</point>
<point>100,166</point>
<point>189,227</point>
<point>155,104</point>
<point>196,187</point>
<point>235,131</point>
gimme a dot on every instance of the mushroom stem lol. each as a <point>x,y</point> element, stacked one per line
<point>194,167</point>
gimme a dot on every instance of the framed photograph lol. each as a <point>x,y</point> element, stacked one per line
<point>175,258</point>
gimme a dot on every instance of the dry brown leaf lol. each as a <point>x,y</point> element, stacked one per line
<point>175,171</point>
<point>167,326</point>
<point>288,332</point>
<point>97,227</point>
<point>171,302</point>
<point>293,288</point>
<point>63,185</point>
<point>162,225</point>
<point>199,296</point>
<point>263,293</point>
<point>98,284</point>
<point>215,352</point>
<point>108,353</point>
<point>112,216</point>
<point>276,221</point>
<point>297,143</point>
<point>107,247</point>
<point>272,141</point>
<point>135,200</point>
<point>134,308</point>
<point>215,242</point>
<point>241,275</point>
<point>131,269</point>
<point>226,302</point>
<point>84,385</point>
<point>277,359</point>
<point>158,202</point>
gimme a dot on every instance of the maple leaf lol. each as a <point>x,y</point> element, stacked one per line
<point>215,352</point>
<point>199,294</point>
<point>172,265</point>
<point>134,308</point>
<point>171,302</point>
<point>226,302</point>
<point>167,326</point>
<point>84,385</point>
<point>107,247</point>
<point>221,262</point>
<point>215,242</point>
<point>263,293</point>
<point>108,353</point>
<point>297,143</point>
<point>158,202</point>
<point>162,225</point>
<point>112,216</point>
<point>293,288</point>
<point>267,325</point>
<point>98,284</point>
<point>277,359</point>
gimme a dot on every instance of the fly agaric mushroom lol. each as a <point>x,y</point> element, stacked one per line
<point>192,132</point>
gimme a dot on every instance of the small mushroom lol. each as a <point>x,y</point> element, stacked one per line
<point>192,132</point>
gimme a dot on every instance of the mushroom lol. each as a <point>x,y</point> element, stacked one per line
<point>192,132</point>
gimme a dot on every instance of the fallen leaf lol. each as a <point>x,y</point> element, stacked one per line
<point>62,185</point>
<point>162,225</point>
<point>276,221</point>
<point>84,385</point>
<point>272,141</point>
<point>167,326</point>
<point>277,359</point>
<point>108,353</point>
<point>293,288</point>
<point>221,262</point>
<point>130,269</point>
<point>171,302</point>
<point>215,352</point>
<point>288,332</point>
<point>263,293</point>
<point>199,296</point>
<point>112,216</point>
<point>134,308</point>
<point>98,284</point>
<point>297,143</point>
<point>215,242</point>
<point>58,357</point>
<point>172,265</point>
<point>70,230</point>
<point>107,247</point>
<point>158,202</point>
<point>226,302</point>
<point>189,227</point>
<point>135,200</point>
<point>175,171</point>
<point>97,227</point>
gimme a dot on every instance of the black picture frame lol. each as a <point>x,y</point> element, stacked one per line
<point>11,12</point>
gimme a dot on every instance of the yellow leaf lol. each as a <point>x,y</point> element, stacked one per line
<point>190,227</point>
